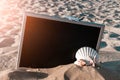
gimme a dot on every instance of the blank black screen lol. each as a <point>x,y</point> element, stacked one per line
<point>48,43</point>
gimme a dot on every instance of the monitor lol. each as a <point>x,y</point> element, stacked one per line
<point>49,41</point>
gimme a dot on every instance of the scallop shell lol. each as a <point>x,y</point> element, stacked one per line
<point>87,53</point>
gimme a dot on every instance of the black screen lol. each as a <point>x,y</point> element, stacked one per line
<point>48,43</point>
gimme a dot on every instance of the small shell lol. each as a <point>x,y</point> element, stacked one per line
<point>87,53</point>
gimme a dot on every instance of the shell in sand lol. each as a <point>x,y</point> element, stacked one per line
<point>87,54</point>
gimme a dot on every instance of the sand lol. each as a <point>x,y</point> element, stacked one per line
<point>63,72</point>
<point>105,12</point>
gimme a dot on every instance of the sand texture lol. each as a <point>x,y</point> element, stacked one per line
<point>63,72</point>
<point>105,12</point>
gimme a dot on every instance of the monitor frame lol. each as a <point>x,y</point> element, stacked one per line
<point>56,18</point>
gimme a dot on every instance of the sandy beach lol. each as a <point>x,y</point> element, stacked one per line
<point>62,72</point>
<point>105,12</point>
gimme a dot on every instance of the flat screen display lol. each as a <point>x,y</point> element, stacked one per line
<point>48,43</point>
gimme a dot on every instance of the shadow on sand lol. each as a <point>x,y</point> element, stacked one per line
<point>110,70</point>
<point>26,75</point>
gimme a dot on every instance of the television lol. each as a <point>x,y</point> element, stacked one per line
<point>49,41</point>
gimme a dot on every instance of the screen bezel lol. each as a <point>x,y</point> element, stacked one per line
<point>26,14</point>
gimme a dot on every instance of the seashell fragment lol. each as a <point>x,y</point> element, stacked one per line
<point>88,55</point>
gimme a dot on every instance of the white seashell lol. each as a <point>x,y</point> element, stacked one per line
<point>87,54</point>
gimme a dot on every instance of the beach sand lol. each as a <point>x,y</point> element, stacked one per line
<point>105,12</point>
<point>62,72</point>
